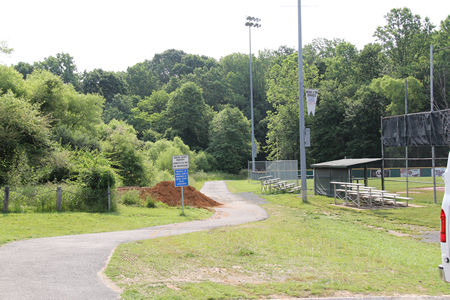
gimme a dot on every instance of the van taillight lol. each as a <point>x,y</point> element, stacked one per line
<point>443,227</point>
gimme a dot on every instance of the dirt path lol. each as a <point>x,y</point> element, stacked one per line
<point>69,267</point>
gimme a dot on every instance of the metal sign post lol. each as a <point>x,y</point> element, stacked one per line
<point>180,165</point>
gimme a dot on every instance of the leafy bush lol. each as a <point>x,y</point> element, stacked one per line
<point>95,182</point>
<point>24,135</point>
<point>163,176</point>
<point>151,203</point>
<point>122,147</point>
<point>130,198</point>
<point>164,161</point>
<point>59,166</point>
<point>204,161</point>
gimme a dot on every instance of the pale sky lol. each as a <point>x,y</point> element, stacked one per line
<point>116,34</point>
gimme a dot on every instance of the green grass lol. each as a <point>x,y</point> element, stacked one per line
<point>19,226</point>
<point>197,180</point>
<point>302,250</point>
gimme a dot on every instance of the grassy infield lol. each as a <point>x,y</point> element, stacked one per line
<point>311,249</point>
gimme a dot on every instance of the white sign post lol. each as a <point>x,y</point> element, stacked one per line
<point>180,165</point>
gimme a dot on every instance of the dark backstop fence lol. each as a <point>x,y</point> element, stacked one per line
<point>406,142</point>
<point>418,129</point>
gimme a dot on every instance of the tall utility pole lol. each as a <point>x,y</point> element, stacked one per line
<point>433,155</point>
<point>301,105</point>
<point>406,128</point>
<point>252,22</point>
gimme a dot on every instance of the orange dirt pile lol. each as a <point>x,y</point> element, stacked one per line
<point>166,192</point>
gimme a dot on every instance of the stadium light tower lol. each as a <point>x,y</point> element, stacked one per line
<point>252,22</point>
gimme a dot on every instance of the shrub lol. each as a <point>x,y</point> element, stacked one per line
<point>164,176</point>
<point>130,197</point>
<point>204,161</point>
<point>150,203</point>
<point>122,147</point>
<point>95,182</point>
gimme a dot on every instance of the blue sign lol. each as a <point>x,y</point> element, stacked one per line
<point>181,177</point>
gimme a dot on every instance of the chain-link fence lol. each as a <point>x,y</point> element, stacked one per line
<point>282,169</point>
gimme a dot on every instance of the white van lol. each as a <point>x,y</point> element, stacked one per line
<point>444,268</point>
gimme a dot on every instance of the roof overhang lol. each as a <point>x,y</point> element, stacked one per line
<point>344,163</point>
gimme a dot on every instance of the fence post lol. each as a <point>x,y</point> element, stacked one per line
<point>109,197</point>
<point>58,198</point>
<point>6,200</point>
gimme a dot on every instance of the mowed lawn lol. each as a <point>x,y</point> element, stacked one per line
<point>302,250</point>
<point>19,226</point>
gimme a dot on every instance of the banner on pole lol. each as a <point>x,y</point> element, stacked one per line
<point>311,100</point>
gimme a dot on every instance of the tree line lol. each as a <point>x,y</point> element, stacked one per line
<point>56,122</point>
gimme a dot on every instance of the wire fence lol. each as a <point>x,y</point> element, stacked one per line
<point>52,198</point>
<point>282,169</point>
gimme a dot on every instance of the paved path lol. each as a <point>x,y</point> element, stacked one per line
<point>70,267</point>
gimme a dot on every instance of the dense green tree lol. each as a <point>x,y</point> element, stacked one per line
<point>73,116</point>
<point>362,122</point>
<point>328,133</point>
<point>24,68</point>
<point>405,38</point>
<point>441,62</point>
<point>342,66</point>
<point>236,68</point>
<point>163,64</point>
<point>216,89</point>
<point>188,116</point>
<point>24,133</point>
<point>394,90</point>
<point>121,147</point>
<point>229,139</point>
<point>11,80</point>
<point>148,117</point>
<point>318,51</point>
<point>369,63</point>
<point>62,65</point>
<point>141,79</point>
<point>105,83</point>
<point>120,108</point>
<point>47,90</point>
<point>190,62</point>
<point>283,120</point>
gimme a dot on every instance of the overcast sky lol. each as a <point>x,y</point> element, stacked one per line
<point>116,34</point>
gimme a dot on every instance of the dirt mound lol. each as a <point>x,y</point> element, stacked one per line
<point>166,192</point>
